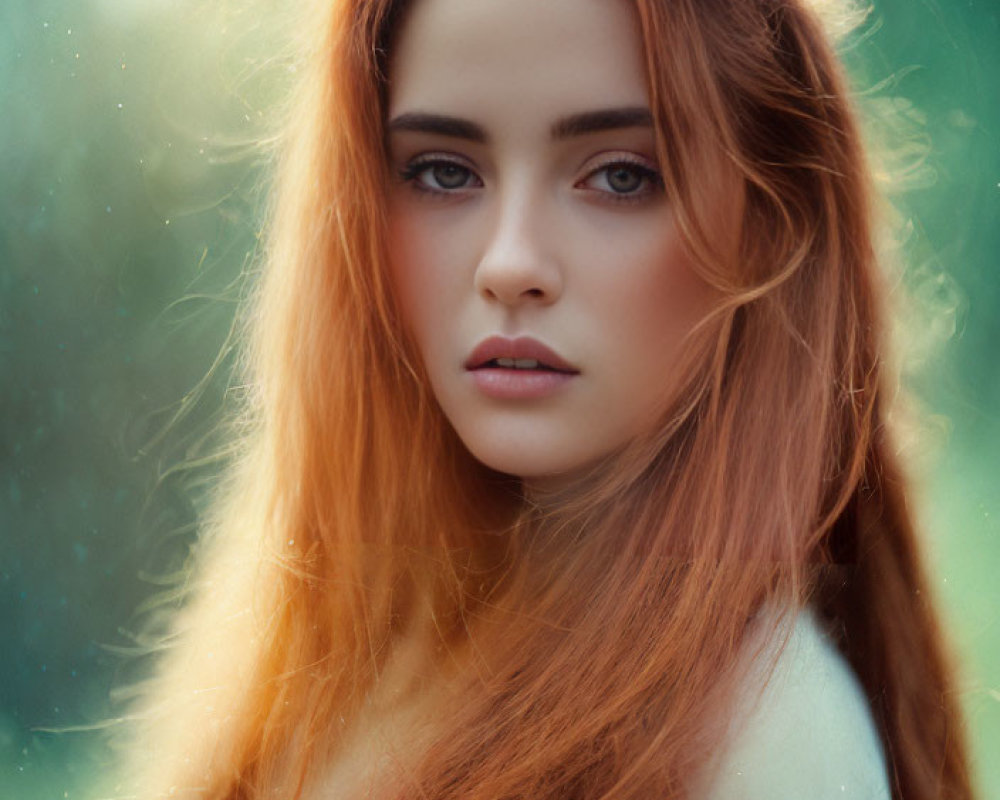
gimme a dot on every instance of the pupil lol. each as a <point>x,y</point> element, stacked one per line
<point>450,176</point>
<point>624,179</point>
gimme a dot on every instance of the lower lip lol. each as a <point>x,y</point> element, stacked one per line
<point>519,384</point>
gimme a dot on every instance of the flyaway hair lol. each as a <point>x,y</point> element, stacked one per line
<point>360,560</point>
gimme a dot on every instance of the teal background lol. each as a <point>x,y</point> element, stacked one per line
<point>132,185</point>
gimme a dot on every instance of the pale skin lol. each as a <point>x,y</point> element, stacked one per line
<point>527,202</point>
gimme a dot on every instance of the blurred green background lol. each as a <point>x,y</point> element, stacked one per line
<point>132,187</point>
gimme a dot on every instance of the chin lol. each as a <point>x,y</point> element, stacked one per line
<point>521,464</point>
<point>534,463</point>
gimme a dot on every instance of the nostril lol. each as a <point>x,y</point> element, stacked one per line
<point>512,278</point>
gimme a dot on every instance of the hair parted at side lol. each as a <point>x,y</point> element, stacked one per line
<point>356,528</point>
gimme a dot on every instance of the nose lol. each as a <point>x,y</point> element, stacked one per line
<point>518,264</point>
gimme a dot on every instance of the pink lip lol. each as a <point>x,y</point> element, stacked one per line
<point>521,347</point>
<point>508,383</point>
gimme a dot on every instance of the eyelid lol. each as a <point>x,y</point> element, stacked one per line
<point>435,157</point>
<point>611,157</point>
<point>412,168</point>
<point>603,161</point>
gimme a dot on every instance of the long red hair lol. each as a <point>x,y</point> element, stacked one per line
<point>589,648</point>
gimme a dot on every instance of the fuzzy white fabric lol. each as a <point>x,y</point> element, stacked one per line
<point>809,735</point>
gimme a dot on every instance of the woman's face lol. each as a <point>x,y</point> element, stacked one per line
<point>535,258</point>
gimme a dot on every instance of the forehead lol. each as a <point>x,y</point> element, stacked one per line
<point>516,57</point>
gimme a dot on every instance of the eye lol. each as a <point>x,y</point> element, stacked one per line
<point>438,175</point>
<point>623,180</point>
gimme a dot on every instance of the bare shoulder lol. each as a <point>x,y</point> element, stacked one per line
<point>808,733</point>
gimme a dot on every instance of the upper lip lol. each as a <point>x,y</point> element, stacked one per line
<point>521,347</point>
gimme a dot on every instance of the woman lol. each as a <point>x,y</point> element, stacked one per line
<point>566,470</point>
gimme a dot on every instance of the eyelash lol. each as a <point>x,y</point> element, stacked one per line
<point>653,181</point>
<point>412,171</point>
<point>415,168</point>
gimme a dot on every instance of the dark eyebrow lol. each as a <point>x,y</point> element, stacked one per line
<point>439,124</point>
<point>605,119</point>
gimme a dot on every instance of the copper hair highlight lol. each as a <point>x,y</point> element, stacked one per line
<point>587,651</point>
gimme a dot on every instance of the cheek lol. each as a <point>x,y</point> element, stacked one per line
<point>417,270</point>
<point>405,258</point>
<point>645,287</point>
<point>647,304</point>
<point>671,298</point>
